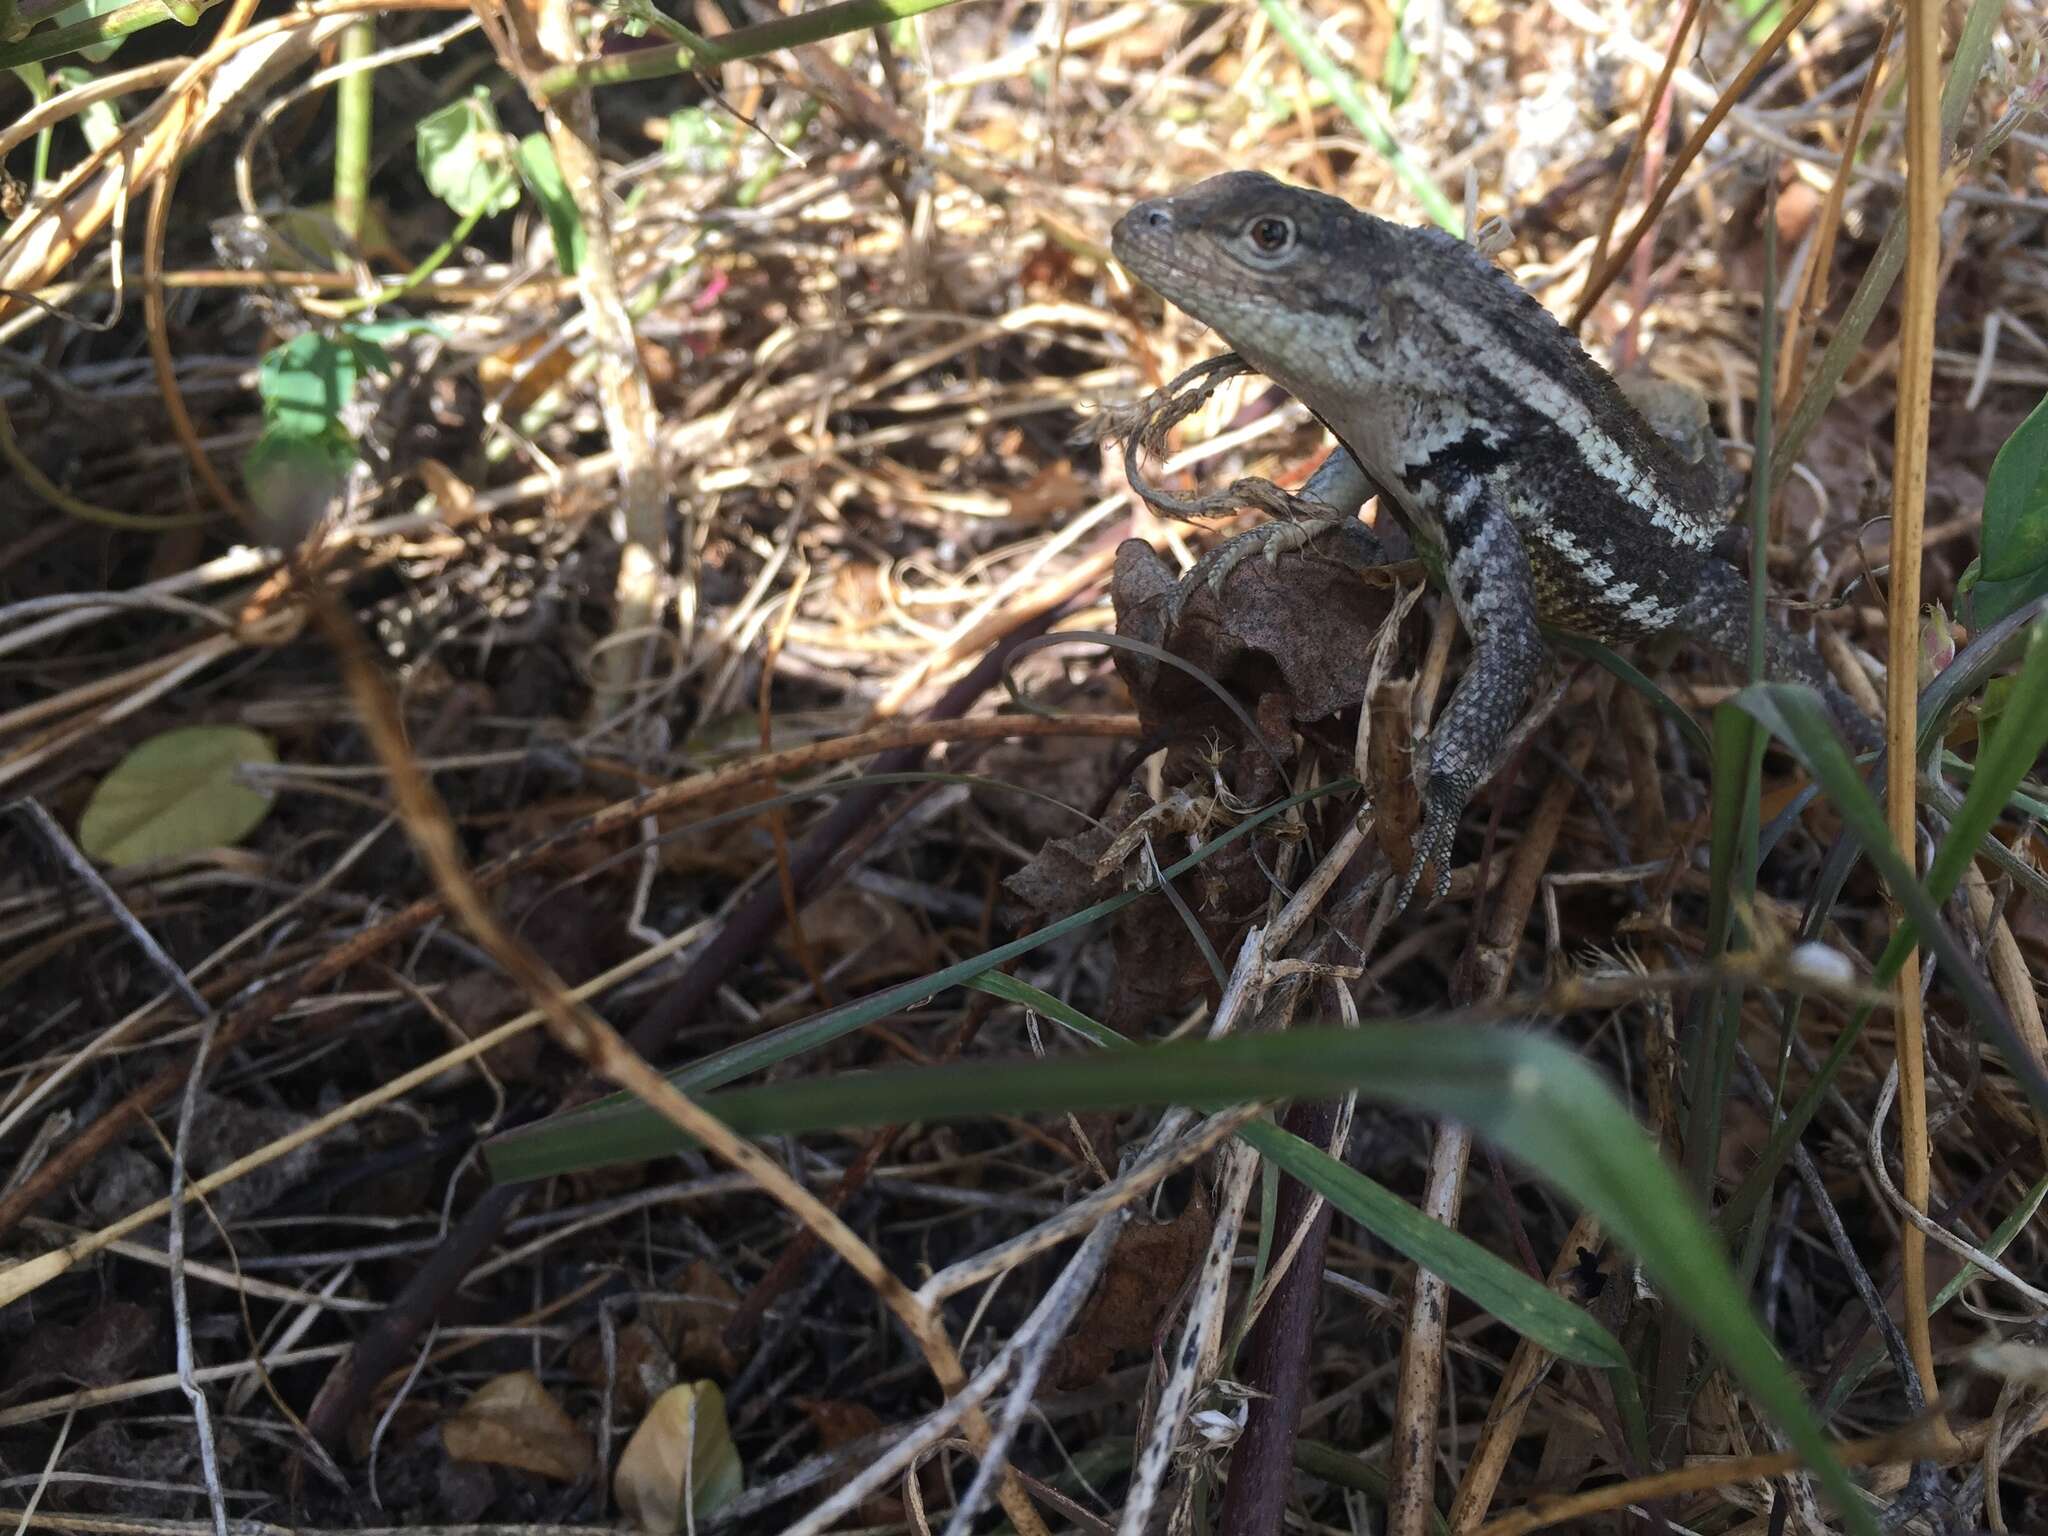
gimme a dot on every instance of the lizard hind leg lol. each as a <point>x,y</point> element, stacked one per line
<point>1490,582</point>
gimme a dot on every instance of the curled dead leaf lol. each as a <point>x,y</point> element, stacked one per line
<point>514,1421</point>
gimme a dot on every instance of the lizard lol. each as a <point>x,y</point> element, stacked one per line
<point>1546,495</point>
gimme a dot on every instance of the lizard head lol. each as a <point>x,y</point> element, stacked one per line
<point>1299,283</point>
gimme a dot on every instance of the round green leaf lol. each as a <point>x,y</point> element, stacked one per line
<point>462,156</point>
<point>176,793</point>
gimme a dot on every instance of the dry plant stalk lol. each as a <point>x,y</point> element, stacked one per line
<point>1605,274</point>
<point>1902,679</point>
<point>623,390</point>
<point>51,233</point>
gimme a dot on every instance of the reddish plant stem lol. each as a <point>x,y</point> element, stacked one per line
<point>1262,1462</point>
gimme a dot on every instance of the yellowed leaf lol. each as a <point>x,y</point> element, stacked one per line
<point>513,1421</point>
<point>177,793</point>
<point>683,1444</point>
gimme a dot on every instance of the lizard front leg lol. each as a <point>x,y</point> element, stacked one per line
<point>1330,501</point>
<point>1491,585</point>
<point>1328,504</point>
<point>1339,484</point>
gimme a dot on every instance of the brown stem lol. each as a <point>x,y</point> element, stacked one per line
<point>1262,1463</point>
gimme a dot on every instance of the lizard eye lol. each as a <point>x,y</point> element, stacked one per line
<point>1270,235</point>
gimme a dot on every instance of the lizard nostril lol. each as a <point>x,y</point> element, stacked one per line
<point>1157,215</point>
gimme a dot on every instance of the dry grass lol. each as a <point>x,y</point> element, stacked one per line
<point>776,484</point>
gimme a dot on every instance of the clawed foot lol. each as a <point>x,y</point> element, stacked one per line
<point>1271,541</point>
<point>1304,523</point>
<point>1441,808</point>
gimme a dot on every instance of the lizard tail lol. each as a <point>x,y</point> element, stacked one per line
<point>1718,616</point>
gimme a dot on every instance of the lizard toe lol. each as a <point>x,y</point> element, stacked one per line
<point>1408,887</point>
<point>1443,802</point>
<point>1432,849</point>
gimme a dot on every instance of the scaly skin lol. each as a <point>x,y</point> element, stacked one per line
<point>1500,441</point>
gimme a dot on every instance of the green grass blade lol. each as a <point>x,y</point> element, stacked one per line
<point>1635,678</point>
<point>1370,122</point>
<point>1496,1286</point>
<point>1795,713</point>
<point>2003,761</point>
<point>1526,1305</point>
<point>1710,1048</point>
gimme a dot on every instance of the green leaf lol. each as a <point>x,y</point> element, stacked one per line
<point>85,13</point>
<point>1525,1304</point>
<point>2014,566</point>
<point>304,453</point>
<point>305,383</point>
<point>1992,599</point>
<point>1972,573</point>
<point>290,476</point>
<point>2016,501</point>
<point>462,156</point>
<point>543,178</point>
<point>34,77</point>
<point>176,793</point>
<point>1994,703</point>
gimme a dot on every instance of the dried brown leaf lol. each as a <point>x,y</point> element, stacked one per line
<point>513,1421</point>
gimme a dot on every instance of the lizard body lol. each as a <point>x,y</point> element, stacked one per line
<point>1549,496</point>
